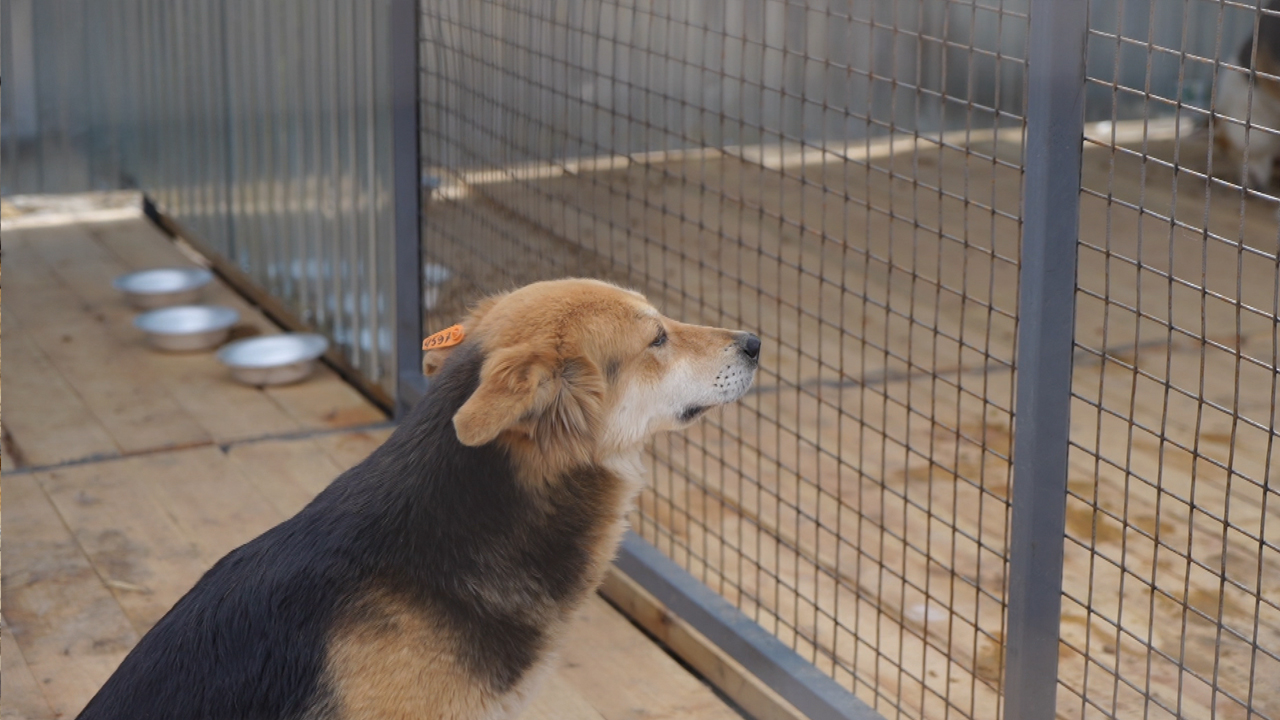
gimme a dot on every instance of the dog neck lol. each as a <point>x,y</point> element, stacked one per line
<point>510,490</point>
<point>497,551</point>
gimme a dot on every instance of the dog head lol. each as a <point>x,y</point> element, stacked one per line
<point>582,370</point>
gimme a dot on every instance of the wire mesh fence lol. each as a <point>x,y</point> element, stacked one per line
<point>1171,595</point>
<point>842,179</point>
<point>845,179</point>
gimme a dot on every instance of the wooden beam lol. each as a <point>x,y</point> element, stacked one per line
<point>722,671</point>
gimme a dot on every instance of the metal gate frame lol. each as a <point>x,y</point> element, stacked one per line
<point>405,35</point>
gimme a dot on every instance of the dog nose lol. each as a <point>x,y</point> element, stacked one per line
<point>750,345</point>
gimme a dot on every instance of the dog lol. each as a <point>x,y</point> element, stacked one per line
<point>436,578</point>
<point>1251,140</point>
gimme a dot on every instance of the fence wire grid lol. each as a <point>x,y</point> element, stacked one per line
<point>1171,605</point>
<point>772,167</point>
<point>844,179</point>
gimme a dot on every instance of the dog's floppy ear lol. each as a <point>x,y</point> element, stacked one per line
<point>433,360</point>
<point>511,381</point>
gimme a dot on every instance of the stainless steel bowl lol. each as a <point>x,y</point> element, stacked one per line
<point>273,359</point>
<point>187,327</point>
<point>163,287</point>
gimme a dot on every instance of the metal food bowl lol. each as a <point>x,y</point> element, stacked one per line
<point>273,359</point>
<point>187,327</point>
<point>163,287</point>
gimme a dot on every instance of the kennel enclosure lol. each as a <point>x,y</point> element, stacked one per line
<point>1012,448</point>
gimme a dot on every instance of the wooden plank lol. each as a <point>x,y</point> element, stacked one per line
<point>151,525</point>
<point>21,699</point>
<point>725,673</point>
<point>197,382</point>
<point>229,411</point>
<point>558,700</point>
<point>349,448</point>
<point>139,243</point>
<point>70,629</point>
<point>143,558</point>
<point>325,401</point>
<point>622,673</point>
<point>138,412</point>
<point>289,473</point>
<point>48,422</point>
<point>208,498</point>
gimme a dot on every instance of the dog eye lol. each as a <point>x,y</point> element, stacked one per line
<point>660,340</point>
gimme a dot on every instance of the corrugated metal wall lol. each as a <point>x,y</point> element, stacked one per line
<point>262,127</point>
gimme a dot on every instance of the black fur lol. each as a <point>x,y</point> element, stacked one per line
<point>423,519</point>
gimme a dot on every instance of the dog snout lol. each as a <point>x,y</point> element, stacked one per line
<point>749,344</point>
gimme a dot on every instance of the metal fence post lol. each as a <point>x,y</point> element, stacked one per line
<point>1046,303</point>
<point>403,16</point>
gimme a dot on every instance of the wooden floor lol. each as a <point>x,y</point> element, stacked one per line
<point>856,503</point>
<point>127,473</point>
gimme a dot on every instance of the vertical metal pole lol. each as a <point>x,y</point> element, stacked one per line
<point>403,16</point>
<point>1051,192</point>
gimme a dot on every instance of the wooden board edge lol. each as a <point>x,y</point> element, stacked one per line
<point>716,666</point>
<point>273,309</point>
<point>23,697</point>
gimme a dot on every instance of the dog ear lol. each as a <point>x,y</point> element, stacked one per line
<point>511,383</point>
<point>433,360</point>
<point>569,416</point>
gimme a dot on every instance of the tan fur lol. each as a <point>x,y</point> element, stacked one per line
<point>396,665</point>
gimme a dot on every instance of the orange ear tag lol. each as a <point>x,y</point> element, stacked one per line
<point>447,337</point>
